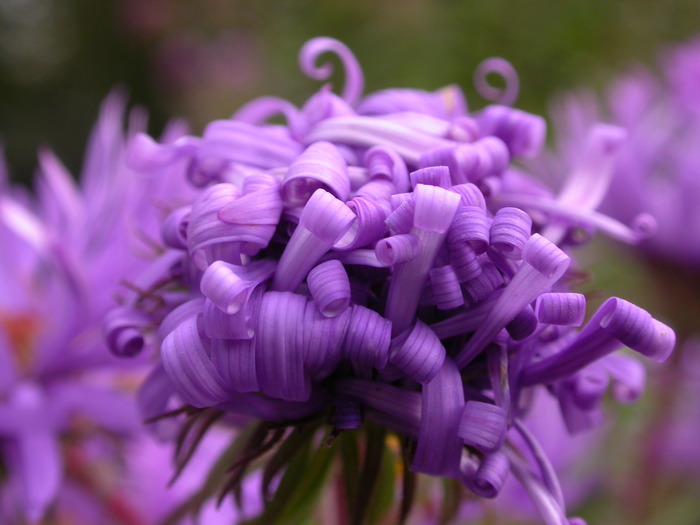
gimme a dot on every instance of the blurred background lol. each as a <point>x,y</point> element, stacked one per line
<point>202,60</point>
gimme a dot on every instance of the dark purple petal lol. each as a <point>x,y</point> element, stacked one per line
<point>439,448</point>
<point>523,325</point>
<point>447,293</point>
<point>347,413</point>
<point>484,284</point>
<point>483,426</point>
<point>123,329</point>
<point>419,355</point>
<point>491,475</point>
<point>235,360</point>
<point>368,338</point>
<point>280,347</point>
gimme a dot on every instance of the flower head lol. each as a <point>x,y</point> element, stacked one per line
<point>377,263</point>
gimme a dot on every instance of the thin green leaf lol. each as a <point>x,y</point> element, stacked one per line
<point>350,461</point>
<point>408,486</point>
<point>374,453</point>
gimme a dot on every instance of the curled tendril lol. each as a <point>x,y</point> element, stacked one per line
<point>354,79</point>
<point>505,69</point>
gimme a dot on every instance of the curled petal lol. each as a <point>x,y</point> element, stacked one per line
<point>419,355</point>
<point>469,162</point>
<point>616,323</point>
<point>174,228</point>
<point>319,166</point>
<point>435,209</point>
<point>330,287</point>
<point>354,80</point>
<point>189,368</point>
<point>484,284</point>
<point>235,360</point>
<point>510,230</point>
<point>503,68</point>
<point>523,133</point>
<point>324,338</point>
<point>439,448</point>
<point>491,475</point>
<point>260,203</point>
<point>280,347</point>
<point>400,221</point>
<point>471,226</point>
<point>483,426</point>
<point>368,338</point>
<point>544,264</point>
<point>397,249</point>
<point>178,315</point>
<point>470,195</point>
<point>564,309</point>
<point>228,286</point>
<point>523,325</point>
<point>382,161</point>
<point>323,223</point>
<point>447,293</point>
<point>369,227</point>
<point>433,176</point>
<point>123,330</point>
<point>445,103</point>
<point>588,386</point>
<point>464,261</point>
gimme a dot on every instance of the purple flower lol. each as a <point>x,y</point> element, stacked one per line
<point>656,169</point>
<point>67,251</point>
<point>377,263</point>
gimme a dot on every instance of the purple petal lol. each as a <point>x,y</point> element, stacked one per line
<point>503,68</point>
<point>319,166</point>
<point>615,324</point>
<point>564,309</point>
<point>420,354</point>
<point>522,132</point>
<point>435,209</point>
<point>491,475</point>
<point>543,265</point>
<point>368,338</point>
<point>447,294</point>
<point>483,426</point>
<point>189,368</point>
<point>369,227</point>
<point>330,288</point>
<point>629,377</point>
<point>229,286</point>
<point>432,176</point>
<point>323,222</point>
<point>384,162</point>
<point>397,249</point>
<point>354,80</point>
<point>470,226</point>
<point>510,230</point>
<point>123,330</point>
<point>439,449</point>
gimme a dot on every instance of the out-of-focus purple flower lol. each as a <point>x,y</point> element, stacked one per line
<point>657,169</point>
<point>377,258</point>
<point>67,251</point>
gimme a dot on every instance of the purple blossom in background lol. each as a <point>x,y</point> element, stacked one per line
<point>657,170</point>
<point>68,409</point>
<point>378,264</point>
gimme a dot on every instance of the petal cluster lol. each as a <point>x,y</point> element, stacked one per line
<point>380,258</point>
